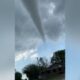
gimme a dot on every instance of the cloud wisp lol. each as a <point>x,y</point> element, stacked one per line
<point>32,54</point>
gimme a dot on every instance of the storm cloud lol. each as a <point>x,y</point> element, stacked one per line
<point>32,7</point>
<point>51,24</point>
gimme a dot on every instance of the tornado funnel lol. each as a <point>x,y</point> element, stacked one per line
<point>32,7</point>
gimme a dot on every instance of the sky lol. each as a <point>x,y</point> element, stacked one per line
<point>39,30</point>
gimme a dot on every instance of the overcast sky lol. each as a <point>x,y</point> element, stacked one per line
<point>39,31</point>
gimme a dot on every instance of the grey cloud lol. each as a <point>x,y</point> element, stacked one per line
<point>32,7</point>
<point>53,28</point>
<point>26,33</point>
<point>54,24</point>
<point>60,6</point>
<point>28,37</point>
<point>43,9</point>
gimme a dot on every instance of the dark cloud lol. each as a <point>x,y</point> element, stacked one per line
<point>60,6</point>
<point>25,30</point>
<point>32,7</point>
<point>27,35</point>
<point>53,28</point>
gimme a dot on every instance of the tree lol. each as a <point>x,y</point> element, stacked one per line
<point>18,76</point>
<point>42,62</point>
<point>58,57</point>
<point>32,71</point>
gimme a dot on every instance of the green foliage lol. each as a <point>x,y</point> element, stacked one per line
<point>18,76</point>
<point>58,57</point>
<point>42,62</point>
<point>32,71</point>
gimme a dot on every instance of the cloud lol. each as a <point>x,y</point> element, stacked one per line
<point>60,6</point>
<point>26,33</point>
<point>32,54</point>
<point>54,28</point>
<point>53,24</point>
<point>32,7</point>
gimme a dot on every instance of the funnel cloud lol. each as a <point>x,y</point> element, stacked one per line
<point>31,6</point>
<point>34,17</point>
